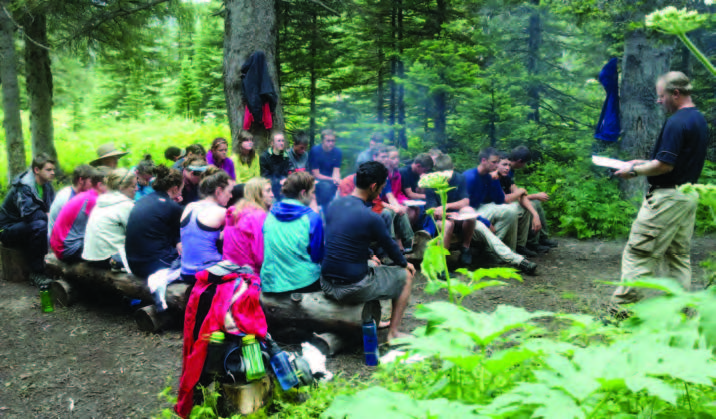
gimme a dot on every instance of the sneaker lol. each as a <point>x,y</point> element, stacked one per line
<point>525,252</point>
<point>538,248</point>
<point>547,242</point>
<point>465,256</point>
<point>527,267</point>
<point>39,279</point>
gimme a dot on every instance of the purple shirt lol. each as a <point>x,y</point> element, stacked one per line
<point>227,165</point>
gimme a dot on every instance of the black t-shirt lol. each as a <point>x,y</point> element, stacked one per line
<point>681,143</point>
<point>457,181</point>
<point>506,183</point>
<point>152,228</point>
<point>408,179</point>
<point>351,227</point>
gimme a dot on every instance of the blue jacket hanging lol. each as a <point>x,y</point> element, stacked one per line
<point>609,127</point>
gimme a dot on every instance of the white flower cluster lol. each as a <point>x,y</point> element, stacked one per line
<point>674,21</point>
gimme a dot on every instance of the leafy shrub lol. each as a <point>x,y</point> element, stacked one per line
<point>582,202</point>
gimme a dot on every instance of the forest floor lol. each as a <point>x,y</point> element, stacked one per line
<point>90,361</point>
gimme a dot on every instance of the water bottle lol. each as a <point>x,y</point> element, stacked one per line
<point>46,299</point>
<point>281,366</point>
<point>370,343</point>
<point>215,354</point>
<point>252,357</point>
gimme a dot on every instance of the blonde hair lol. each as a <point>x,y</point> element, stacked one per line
<point>253,194</point>
<point>120,178</point>
<point>676,80</point>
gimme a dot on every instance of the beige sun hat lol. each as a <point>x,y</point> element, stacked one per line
<point>107,150</point>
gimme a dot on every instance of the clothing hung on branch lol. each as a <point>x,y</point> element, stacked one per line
<point>259,94</point>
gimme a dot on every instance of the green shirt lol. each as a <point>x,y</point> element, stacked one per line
<point>245,172</point>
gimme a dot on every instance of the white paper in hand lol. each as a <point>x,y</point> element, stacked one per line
<point>610,163</point>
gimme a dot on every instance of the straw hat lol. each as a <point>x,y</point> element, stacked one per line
<point>107,150</point>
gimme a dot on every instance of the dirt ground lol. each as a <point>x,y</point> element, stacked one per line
<point>90,361</point>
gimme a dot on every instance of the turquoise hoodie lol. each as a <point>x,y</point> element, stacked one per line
<point>293,247</point>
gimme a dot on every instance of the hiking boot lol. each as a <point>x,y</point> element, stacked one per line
<point>543,241</point>
<point>465,256</point>
<point>39,279</point>
<point>538,248</point>
<point>525,252</point>
<point>420,243</point>
<point>618,311</point>
<point>527,267</point>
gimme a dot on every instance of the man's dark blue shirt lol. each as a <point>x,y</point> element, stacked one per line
<point>351,227</point>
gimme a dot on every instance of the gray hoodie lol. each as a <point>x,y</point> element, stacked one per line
<point>107,226</point>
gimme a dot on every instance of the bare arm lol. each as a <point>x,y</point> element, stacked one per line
<point>413,195</point>
<point>317,174</point>
<point>644,168</point>
<point>536,222</point>
<point>515,194</point>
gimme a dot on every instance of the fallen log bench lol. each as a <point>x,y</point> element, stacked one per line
<point>13,265</point>
<point>79,276</point>
<point>328,324</point>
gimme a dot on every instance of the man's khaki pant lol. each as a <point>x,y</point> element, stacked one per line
<point>524,223</point>
<point>504,218</point>
<point>663,229</point>
<point>483,236</point>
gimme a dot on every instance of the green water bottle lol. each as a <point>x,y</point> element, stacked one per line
<point>252,357</point>
<point>46,299</point>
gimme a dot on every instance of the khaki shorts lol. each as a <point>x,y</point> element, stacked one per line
<point>381,283</point>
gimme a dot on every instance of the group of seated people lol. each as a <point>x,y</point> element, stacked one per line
<point>298,224</point>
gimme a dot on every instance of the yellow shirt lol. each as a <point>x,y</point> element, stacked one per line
<point>245,172</point>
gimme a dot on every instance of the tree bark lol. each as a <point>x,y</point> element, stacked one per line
<point>39,85</point>
<point>641,118</point>
<point>402,138</point>
<point>14,143</point>
<point>534,42</point>
<point>250,25</point>
<point>313,79</point>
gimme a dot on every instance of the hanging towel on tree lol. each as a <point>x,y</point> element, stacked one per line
<point>258,90</point>
<point>609,127</point>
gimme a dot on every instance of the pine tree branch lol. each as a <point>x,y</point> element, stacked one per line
<point>98,21</point>
<point>9,16</point>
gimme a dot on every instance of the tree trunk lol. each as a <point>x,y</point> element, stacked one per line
<point>379,93</point>
<point>250,25</point>
<point>534,42</point>
<point>314,79</point>
<point>402,138</point>
<point>392,106</point>
<point>641,117</point>
<point>440,119</point>
<point>39,85</point>
<point>14,143</point>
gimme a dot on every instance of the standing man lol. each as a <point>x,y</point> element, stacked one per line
<point>325,162</point>
<point>350,273</point>
<point>665,222</point>
<point>23,215</point>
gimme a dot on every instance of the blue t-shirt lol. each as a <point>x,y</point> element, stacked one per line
<point>483,189</point>
<point>325,161</point>
<point>682,144</point>
<point>351,226</point>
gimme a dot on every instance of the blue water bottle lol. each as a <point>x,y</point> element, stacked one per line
<point>370,343</point>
